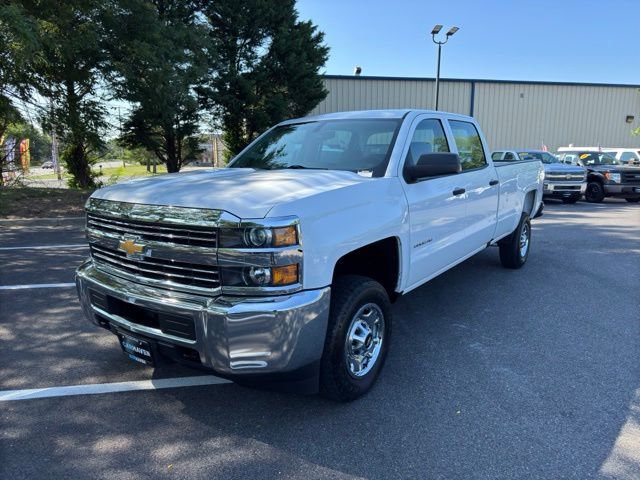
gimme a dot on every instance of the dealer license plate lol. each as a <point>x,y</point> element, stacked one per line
<point>136,349</point>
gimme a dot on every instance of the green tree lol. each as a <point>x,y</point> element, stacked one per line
<point>66,71</point>
<point>158,60</point>
<point>265,68</point>
<point>18,43</point>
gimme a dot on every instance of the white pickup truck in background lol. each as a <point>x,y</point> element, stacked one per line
<point>282,267</point>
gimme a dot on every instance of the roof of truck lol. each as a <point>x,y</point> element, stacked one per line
<point>364,114</point>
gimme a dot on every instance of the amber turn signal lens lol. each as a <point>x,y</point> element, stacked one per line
<point>285,236</point>
<point>286,275</point>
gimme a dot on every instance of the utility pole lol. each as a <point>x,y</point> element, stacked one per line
<point>434,32</point>
<point>121,147</point>
<point>54,145</point>
<point>216,162</point>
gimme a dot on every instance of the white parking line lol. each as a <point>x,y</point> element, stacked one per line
<point>94,389</point>
<point>37,285</point>
<point>46,247</point>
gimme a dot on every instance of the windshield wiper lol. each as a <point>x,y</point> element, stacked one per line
<point>295,167</point>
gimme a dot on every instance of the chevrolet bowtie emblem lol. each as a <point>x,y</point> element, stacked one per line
<point>130,247</point>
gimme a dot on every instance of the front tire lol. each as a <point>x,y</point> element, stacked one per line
<point>357,338</point>
<point>594,192</point>
<point>633,200</point>
<point>514,249</point>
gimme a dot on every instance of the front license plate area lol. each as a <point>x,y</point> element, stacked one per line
<point>138,350</point>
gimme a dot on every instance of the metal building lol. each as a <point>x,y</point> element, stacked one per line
<point>512,113</point>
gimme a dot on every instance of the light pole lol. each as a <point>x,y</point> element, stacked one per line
<point>435,32</point>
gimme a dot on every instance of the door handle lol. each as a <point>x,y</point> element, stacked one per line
<point>459,191</point>
<point>493,183</point>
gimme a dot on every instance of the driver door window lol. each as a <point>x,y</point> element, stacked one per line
<point>428,137</point>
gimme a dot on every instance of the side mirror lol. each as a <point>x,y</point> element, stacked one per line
<point>433,165</point>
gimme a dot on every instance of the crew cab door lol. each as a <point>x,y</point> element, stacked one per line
<point>437,207</point>
<point>480,181</point>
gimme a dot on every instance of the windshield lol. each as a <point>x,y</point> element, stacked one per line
<point>544,157</point>
<point>361,146</point>
<point>597,158</point>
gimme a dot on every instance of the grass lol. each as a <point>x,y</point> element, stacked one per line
<point>129,171</point>
<point>29,202</point>
<point>133,170</point>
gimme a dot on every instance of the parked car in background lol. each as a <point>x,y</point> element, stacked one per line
<point>281,267</point>
<point>628,156</point>
<point>47,164</point>
<point>565,182</point>
<point>606,176</point>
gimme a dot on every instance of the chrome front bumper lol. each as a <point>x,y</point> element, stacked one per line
<point>561,188</point>
<point>235,336</point>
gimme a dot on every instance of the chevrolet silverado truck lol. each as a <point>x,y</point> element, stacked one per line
<point>281,268</point>
<point>606,176</point>
<point>564,182</point>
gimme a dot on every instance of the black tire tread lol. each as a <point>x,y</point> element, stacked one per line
<point>597,199</point>
<point>509,246</point>
<point>335,383</point>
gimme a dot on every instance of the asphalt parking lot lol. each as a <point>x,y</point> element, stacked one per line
<point>492,373</point>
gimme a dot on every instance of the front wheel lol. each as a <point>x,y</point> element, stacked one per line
<point>633,200</point>
<point>594,192</point>
<point>514,249</point>
<point>357,339</point>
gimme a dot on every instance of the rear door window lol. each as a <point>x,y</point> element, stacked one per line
<point>469,145</point>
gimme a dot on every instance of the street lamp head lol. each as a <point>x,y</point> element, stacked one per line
<point>452,30</point>
<point>436,29</point>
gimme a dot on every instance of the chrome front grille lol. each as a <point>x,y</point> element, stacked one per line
<point>177,234</point>
<point>171,273</point>
<point>161,246</point>
<point>564,177</point>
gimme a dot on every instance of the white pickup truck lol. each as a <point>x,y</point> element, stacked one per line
<point>282,267</point>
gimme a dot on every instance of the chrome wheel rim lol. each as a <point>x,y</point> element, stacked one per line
<point>364,340</point>
<point>524,241</point>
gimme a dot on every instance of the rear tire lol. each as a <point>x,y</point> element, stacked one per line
<point>632,200</point>
<point>514,249</point>
<point>357,338</point>
<point>594,192</point>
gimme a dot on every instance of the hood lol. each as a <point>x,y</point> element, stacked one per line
<point>243,192</point>
<point>561,167</point>
<point>614,168</point>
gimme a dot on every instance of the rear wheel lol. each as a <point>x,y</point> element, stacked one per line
<point>594,192</point>
<point>357,338</point>
<point>570,200</point>
<point>514,249</point>
<point>632,200</point>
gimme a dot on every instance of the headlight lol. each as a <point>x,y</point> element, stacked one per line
<point>613,177</point>
<point>260,276</point>
<point>258,237</point>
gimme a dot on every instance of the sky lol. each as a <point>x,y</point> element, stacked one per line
<point>544,40</point>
